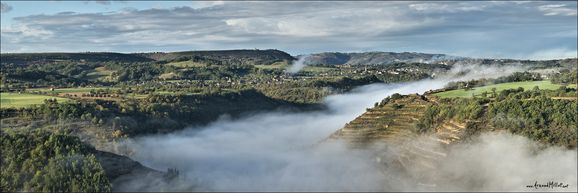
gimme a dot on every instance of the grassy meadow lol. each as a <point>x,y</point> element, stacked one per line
<point>8,100</point>
<point>527,85</point>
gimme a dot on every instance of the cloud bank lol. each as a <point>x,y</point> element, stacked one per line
<point>478,29</point>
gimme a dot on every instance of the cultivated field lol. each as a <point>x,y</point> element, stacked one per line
<point>315,69</point>
<point>527,85</point>
<point>100,73</point>
<point>186,64</point>
<point>8,100</point>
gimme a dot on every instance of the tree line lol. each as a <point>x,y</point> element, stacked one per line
<point>532,113</point>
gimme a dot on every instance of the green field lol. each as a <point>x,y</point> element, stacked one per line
<point>99,73</point>
<point>186,64</point>
<point>272,66</point>
<point>547,85</point>
<point>314,69</point>
<point>8,100</point>
<point>317,69</point>
<point>170,75</point>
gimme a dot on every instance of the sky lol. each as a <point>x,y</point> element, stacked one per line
<point>485,29</point>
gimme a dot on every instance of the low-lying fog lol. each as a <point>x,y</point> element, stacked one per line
<point>280,151</point>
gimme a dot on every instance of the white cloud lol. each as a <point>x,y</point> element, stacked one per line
<point>27,31</point>
<point>362,21</point>
<point>202,4</point>
<point>557,9</point>
<point>445,7</point>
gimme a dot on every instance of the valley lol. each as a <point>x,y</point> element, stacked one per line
<point>288,96</point>
<point>158,102</point>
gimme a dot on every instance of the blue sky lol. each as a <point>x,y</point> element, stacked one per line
<point>499,29</point>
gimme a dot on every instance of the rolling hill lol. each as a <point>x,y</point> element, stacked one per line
<point>373,58</point>
<point>252,57</point>
<point>40,58</point>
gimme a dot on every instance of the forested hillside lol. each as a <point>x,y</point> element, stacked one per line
<point>228,57</point>
<point>45,162</point>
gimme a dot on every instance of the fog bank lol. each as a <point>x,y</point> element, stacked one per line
<point>280,151</point>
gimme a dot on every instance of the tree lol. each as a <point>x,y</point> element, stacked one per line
<point>494,92</point>
<point>75,173</point>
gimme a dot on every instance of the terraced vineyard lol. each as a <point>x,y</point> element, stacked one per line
<point>385,122</point>
<point>393,124</point>
<point>390,122</point>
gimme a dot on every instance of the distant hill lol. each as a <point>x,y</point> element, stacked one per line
<point>569,63</point>
<point>40,58</point>
<point>385,58</point>
<point>252,57</point>
<point>269,56</point>
<point>373,58</point>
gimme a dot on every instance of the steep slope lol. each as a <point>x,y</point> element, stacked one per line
<point>392,124</point>
<point>127,175</point>
<point>394,121</point>
<point>117,166</point>
<point>419,136</point>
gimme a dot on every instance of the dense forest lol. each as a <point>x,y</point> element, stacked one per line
<point>49,162</point>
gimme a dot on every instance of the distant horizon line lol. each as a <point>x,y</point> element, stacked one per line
<point>255,49</point>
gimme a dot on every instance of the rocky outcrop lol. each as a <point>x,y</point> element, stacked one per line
<point>126,174</point>
<point>117,165</point>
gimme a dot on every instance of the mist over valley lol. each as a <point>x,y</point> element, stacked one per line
<point>288,96</point>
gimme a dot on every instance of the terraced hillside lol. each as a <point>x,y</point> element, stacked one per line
<point>417,134</point>
<point>393,123</point>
